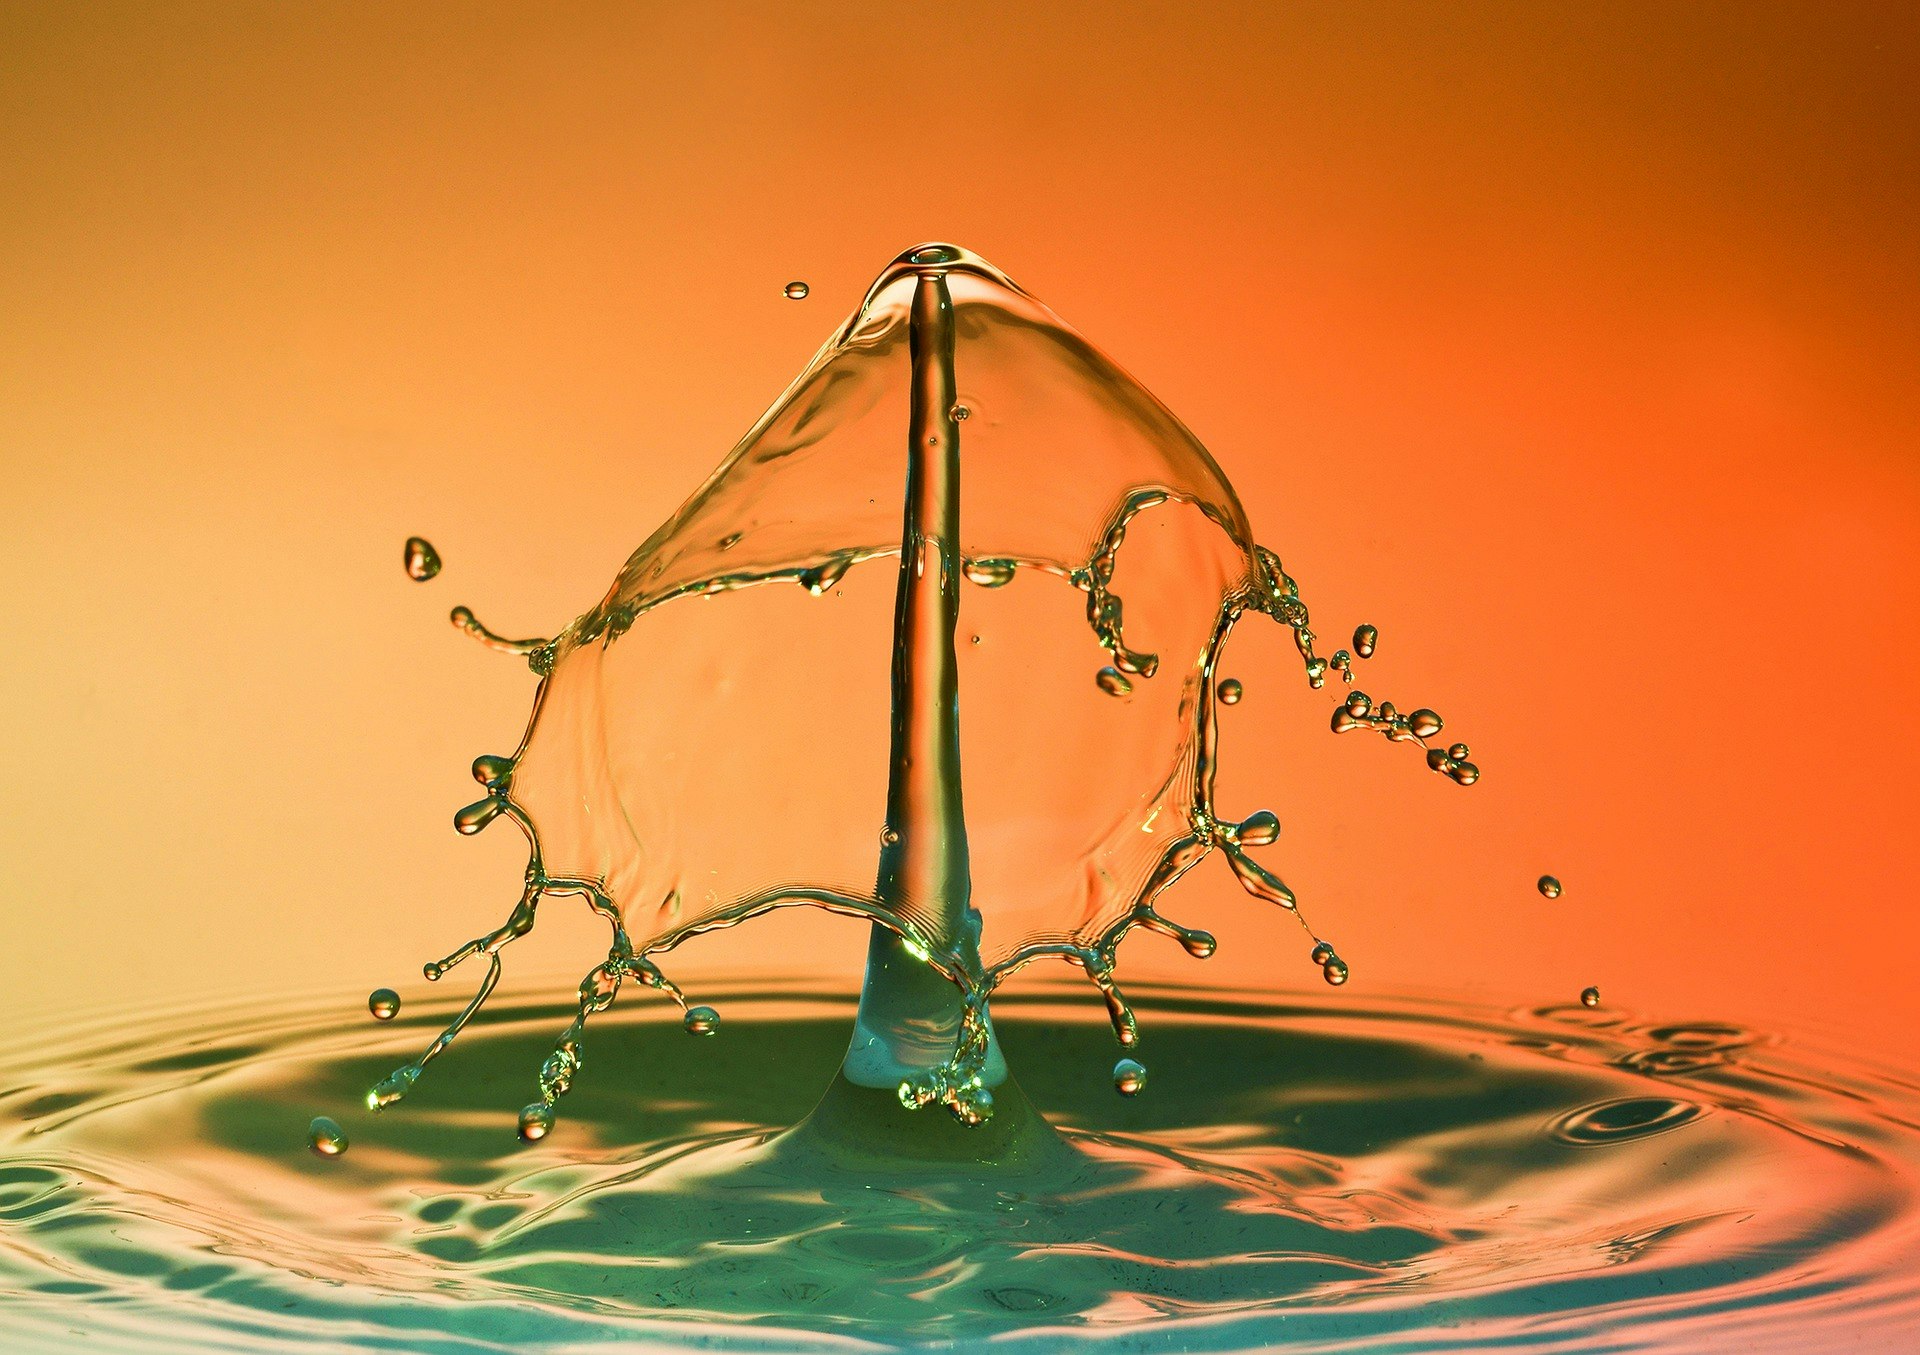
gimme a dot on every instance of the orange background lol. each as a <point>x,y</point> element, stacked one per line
<point>1574,346</point>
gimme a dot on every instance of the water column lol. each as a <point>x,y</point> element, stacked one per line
<point>909,1013</point>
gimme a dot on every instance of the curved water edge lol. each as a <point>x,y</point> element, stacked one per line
<point>1400,1176</point>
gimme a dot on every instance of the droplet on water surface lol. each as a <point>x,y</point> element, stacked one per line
<point>1113,682</point>
<point>701,1021</point>
<point>1590,997</point>
<point>797,290</point>
<point>1230,691</point>
<point>1364,639</point>
<point>384,1003</point>
<point>421,559</point>
<point>1129,1077</point>
<point>326,1138</point>
<point>1549,887</point>
<point>536,1122</point>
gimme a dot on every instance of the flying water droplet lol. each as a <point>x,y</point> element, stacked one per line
<point>1113,682</point>
<point>1549,887</point>
<point>1590,997</point>
<point>1322,953</point>
<point>701,1021</point>
<point>1423,723</point>
<point>1364,639</point>
<point>797,290</point>
<point>326,1138</point>
<point>421,559</point>
<point>536,1122</point>
<point>1334,971</point>
<point>1129,1077</point>
<point>384,1003</point>
<point>989,573</point>
<point>1231,691</point>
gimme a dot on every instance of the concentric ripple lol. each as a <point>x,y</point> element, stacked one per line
<point>1320,1176</point>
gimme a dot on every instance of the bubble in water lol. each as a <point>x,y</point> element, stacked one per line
<point>1590,997</point>
<point>701,1021</point>
<point>1230,691</point>
<point>1549,887</point>
<point>1113,682</point>
<point>1129,1077</point>
<point>1334,971</point>
<point>797,290</point>
<point>384,1003</point>
<point>1364,639</point>
<point>326,1138</point>
<point>421,559</point>
<point>536,1122</point>
<point>1424,723</point>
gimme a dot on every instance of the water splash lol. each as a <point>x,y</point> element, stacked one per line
<point>1080,478</point>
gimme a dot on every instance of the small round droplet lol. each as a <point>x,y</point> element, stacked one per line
<point>1424,723</point>
<point>326,1138</point>
<point>1231,691</point>
<point>1590,997</point>
<point>1458,751</point>
<point>1334,971</point>
<point>421,559</point>
<point>384,1003</point>
<point>1364,639</point>
<point>1322,953</point>
<point>1129,1077</point>
<point>1549,887</point>
<point>701,1021</point>
<point>536,1122</point>
<point>960,413</point>
<point>796,290</point>
<point>1113,682</point>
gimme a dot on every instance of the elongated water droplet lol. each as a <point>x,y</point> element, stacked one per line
<point>384,1003</point>
<point>1230,691</point>
<point>1113,682</point>
<point>1199,944</point>
<point>1590,997</point>
<point>1129,1077</point>
<point>536,1122</point>
<point>1334,971</point>
<point>1423,723</point>
<point>421,559</point>
<point>989,573</point>
<point>326,1138</point>
<point>1466,773</point>
<point>1364,639</point>
<point>1549,887</point>
<point>1322,953</point>
<point>1257,880</point>
<point>490,769</point>
<point>478,815</point>
<point>1258,828</point>
<point>797,290</point>
<point>701,1021</point>
<point>392,1087</point>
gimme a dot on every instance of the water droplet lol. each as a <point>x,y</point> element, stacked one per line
<point>1322,953</point>
<point>701,1020</point>
<point>489,769</point>
<point>1465,773</point>
<point>1129,1077</point>
<point>393,1086</point>
<point>384,1003</point>
<point>478,815</point>
<point>989,573</point>
<point>1590,997</point>
<point>1424,723</point>
<point>797,290</point>
<point>326,1138</point>
<point>536,1122</point>
<point>934,254</point>
<point>1549,887</point>
<point>1358,704</point>
<point>1458,752</point>
<point>960,413</point>
<point>1113,682</point>
<point>1334,971</point>
<point>1258,828</point>
<point>1230,691</point>
<point>1364,639</point>
<point>421,559</point>
<point>1199,944</point>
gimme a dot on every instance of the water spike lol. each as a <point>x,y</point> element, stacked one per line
<point>465,621</point>
<point>1257,880</point>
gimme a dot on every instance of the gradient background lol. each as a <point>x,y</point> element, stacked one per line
<point>1574,346</point>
